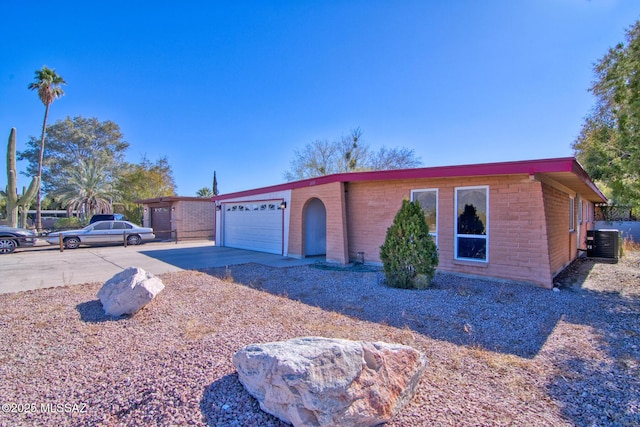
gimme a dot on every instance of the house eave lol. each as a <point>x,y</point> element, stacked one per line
<point>171,199</point>
<point>565,169</point>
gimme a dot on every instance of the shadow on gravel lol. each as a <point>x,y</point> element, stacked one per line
<point>596,385</point>
<point>92,312</point>
<point>226,403</point>
<point>601,390</point>
<point>505,317</point>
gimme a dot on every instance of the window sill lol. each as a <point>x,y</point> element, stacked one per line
<point>479,264</point>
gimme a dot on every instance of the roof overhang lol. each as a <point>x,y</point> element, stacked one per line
<point>566,171</point>
<point>171,199</point>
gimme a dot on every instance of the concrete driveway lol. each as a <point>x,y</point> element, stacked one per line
<point>45,266</point>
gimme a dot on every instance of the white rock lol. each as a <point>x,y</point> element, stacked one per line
<point>129,291</point>
<point>317,381</point>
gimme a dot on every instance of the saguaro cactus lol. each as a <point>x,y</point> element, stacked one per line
<point>13,200</point>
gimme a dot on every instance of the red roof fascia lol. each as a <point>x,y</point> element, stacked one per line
<point>506,168</point>
<point>171,199</point>
<point>564,164</point>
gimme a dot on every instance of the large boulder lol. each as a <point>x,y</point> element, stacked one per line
<point>129,291</point>
<point>317,381</point>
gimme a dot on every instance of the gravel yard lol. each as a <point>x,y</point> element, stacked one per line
<point>499,353</point>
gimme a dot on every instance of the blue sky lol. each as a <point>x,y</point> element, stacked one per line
<point>237,86</point>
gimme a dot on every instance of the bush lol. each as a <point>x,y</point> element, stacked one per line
<point>68,223</point>
<point>409,254</point>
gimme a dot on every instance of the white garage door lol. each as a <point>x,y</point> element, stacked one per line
<point>256,226</point>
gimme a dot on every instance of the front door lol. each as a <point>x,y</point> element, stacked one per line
<point>315,228</point>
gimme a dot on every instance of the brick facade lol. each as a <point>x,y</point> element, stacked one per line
<point>194,219</point>
<point>332,196</point>
<point>189,217</point>
<point>517,237</point>
<point>563,241</point>
<point>528,239</point>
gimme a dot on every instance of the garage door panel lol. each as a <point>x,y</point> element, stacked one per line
<point>161,221</point>
<point>254,226</point>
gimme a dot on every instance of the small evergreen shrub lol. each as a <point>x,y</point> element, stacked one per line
<point>409,255</point>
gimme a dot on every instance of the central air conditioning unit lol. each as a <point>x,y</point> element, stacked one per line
<point>603,244</point>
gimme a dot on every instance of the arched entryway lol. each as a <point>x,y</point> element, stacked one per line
<point>315,228</point>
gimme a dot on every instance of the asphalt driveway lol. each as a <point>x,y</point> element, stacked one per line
<point>45,266</point>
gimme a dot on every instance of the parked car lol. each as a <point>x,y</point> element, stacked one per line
<point>107,217</point>
<point>12,238</point>
<point>102,232</point>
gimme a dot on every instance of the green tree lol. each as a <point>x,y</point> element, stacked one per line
<point>409,255</point>
<point>145,180</point>
<point>89,189</point>
<point>608,145</point>
<point>346,154</point>
<point>209,192</point>
<point>47,83</point>
<point>3,204</point>
<point>74,140</point>
<point>469,222</point>
<point>204,192</point>
<point>50,202</point>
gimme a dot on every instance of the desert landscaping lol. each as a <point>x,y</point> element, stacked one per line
<point>498,353</point>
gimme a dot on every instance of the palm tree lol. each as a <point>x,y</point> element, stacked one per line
<point>204,192</point>
<point>88,189</point>
<point>47,83</point>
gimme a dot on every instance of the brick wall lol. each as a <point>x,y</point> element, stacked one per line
<point>194,219</point>
<point>562,242</point>
<point>332,196</point>
<point>529,238</point>
<point>517,231</point>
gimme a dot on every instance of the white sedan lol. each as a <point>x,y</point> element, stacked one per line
<point>102,232</point>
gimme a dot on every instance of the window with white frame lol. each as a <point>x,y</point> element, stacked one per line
<point>581,211</point>
<point>428,200</point>
<point>472,223</point>
<point>572,214</point>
